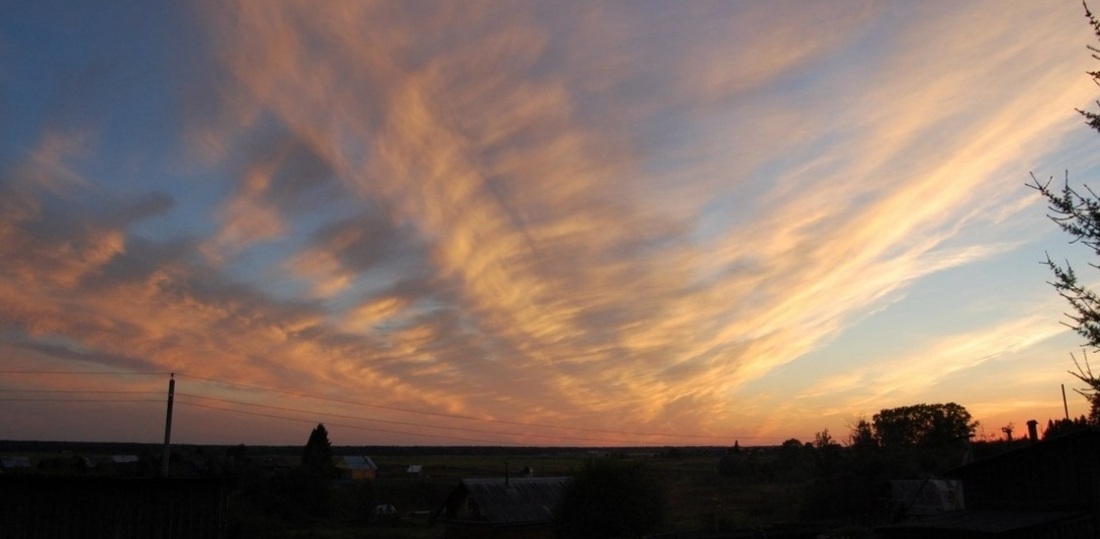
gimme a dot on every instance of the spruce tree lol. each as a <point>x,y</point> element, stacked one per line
<point>1077,212</point>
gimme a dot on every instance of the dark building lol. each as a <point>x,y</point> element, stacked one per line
<point>519,508</point>
<point>1046,490</point>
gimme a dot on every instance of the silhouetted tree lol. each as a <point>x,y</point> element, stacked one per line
<point>237,459</point>
<point>824,440</point>
<point>1064,426</point>
<point>793,461</point>
<point>897,443</point>
<point>317,454</point>
<point>307,487</point>
<point>1077,212</point>
<point>849,483</point>
<point>738,464</point>
<point>611,499</point>
<point>862,436</point>
<point>927,425</point>
<point>1092,392</point>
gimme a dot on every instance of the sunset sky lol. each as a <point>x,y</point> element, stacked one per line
<point>533,223</point>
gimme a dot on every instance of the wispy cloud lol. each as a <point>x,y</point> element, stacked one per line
<point>595,215</point>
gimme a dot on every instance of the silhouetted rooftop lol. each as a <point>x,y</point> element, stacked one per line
<point>501,502</point>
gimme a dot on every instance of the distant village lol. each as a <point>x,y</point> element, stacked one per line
<point>1041,484</point>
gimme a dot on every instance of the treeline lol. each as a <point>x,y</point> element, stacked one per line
<point>849,481</point>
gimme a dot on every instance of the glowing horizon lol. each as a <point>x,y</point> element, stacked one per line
<point>516,223</point>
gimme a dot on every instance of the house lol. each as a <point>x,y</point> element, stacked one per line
<point>357,468</point>
<point>522,507</point>
<point>15,464</point>
<point>414,470</point>
<point>1049,489</point>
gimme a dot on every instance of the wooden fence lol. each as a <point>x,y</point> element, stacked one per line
<point>37,507</point>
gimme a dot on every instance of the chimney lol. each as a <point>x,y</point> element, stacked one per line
<point>1033,430</point>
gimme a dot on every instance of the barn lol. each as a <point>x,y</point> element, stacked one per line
<point>513,508</point>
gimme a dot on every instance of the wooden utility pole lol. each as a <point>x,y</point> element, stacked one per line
<point>167,453</point>
<point>1065,405</point>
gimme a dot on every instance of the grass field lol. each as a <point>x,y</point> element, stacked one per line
<point>698,498</point>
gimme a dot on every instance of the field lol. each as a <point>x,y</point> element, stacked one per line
<point>698,498</point>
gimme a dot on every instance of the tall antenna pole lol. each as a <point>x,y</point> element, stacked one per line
<point>1065,405</point>
<point>166,456</point>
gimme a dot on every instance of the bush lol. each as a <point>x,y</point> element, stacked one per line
<point>611,498</point>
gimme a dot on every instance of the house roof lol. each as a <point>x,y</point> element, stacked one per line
<point>358,463</point>
<point>926,497</point>
<point>414,468</point>
<point>509,502</point>
<point>15,462</point>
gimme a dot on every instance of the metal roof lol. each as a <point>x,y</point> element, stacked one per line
<point>508,502</point>
<point>359,463</point>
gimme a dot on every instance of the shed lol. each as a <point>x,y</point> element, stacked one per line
<point>1049,489</point>
<point>921,498</point>
<point>357,468</point>
<point>522,507</point>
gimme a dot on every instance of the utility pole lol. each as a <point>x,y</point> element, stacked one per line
<point>167,454</point>
<point>1065,405</point>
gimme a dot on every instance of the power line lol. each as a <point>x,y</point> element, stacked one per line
<point>107,373</point>
<point>402,423</point>
<point>253,387</point>
<point>356,427</point>
<point>80,391</point>
<point>7,399</point>
<point>457,416</point>
<point>331,399</point>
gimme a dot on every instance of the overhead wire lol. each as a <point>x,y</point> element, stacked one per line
<point>392,422</point>
<point>108,373</point>
<point>356,427</point>
<point>97,391</point>
<point>8,399</point>
<point>258,388</point>
<point>453,416</point>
